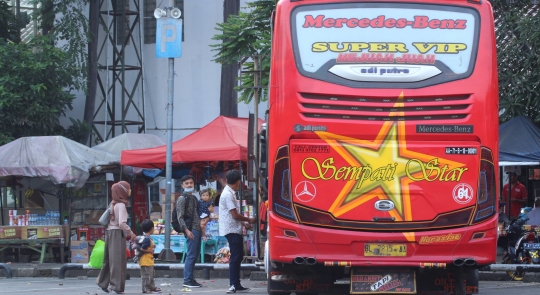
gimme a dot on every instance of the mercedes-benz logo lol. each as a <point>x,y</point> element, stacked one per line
<point>305,191</point>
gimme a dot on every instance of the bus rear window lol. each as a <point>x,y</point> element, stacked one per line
<point>385,45</point>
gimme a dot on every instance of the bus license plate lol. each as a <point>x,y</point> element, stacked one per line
<point>531,246</point>
<point>385,250</point>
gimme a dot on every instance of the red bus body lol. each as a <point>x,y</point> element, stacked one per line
<point>369,166</point>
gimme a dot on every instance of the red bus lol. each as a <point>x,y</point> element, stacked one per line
<point>381,144</point>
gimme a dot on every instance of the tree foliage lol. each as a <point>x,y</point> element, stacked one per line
<point>8,23</point>
<point>518,53</point>
<point>36,78</point>
<point>35,81</point>
<point>68,27</point>
<point>243,36</point>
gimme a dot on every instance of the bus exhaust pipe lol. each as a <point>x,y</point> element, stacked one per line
<point>459,262</point>
<point>299,260</point>
<point>311,261</point>
<point>470,262</point>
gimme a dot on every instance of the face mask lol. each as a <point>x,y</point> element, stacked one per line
<point>188,190</point>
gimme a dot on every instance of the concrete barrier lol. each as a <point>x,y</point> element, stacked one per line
<point>7,269</point>
<point>206,267</point>
<point>512,267</point>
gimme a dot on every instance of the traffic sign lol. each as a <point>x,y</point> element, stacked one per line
<point>169,38</point>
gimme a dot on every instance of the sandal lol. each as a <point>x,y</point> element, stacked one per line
<point>104,289</point>
<point>117,292</point>
<point>157,289</point>
<point>152,292</point>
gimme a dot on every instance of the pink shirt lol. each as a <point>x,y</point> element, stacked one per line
<point>120,218</point>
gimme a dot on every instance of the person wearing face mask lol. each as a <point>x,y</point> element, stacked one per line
<point>230,226</point>
<point>186,210</point>
<point>112,276</point>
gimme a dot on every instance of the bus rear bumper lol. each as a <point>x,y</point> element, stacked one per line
<point>437,248</point>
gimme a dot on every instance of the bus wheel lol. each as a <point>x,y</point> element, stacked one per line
<point>460,288</point>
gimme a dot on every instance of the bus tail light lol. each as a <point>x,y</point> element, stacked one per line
<point>487,193</point>
<point>281,186</point>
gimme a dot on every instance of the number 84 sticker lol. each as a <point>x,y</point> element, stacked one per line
<point>463,193</point>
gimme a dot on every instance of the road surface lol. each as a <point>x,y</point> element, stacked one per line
<point>71,286</point>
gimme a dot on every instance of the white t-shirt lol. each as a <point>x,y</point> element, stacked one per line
<point>227,224</point>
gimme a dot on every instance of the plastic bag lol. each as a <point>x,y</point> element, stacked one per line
<point>96,259</point>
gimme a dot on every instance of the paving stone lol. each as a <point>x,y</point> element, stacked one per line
<point>258,276</point>
<point>25,272</point>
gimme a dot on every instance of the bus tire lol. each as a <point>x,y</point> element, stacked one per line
<point>269,270</point>
<point>460,287</point>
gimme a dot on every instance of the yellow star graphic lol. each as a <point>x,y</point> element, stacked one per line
<point>387,168</point>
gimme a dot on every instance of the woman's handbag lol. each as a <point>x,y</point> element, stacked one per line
<point>104,219</point>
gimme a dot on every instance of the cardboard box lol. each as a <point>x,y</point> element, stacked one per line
<point>79,251</point>
<point>79,246</point>
<point>79,257</point>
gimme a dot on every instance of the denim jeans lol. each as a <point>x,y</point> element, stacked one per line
<point>192,253</point>
<point>236,243</point>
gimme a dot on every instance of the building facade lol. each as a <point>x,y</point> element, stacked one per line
<point>142,95</point>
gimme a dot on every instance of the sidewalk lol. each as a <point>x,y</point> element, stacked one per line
<point>52,269</point>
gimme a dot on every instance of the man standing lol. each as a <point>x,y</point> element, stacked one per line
<point>230,226</point>
<point>186,210</point>
<point>534,214</point>
<point>518,197</point>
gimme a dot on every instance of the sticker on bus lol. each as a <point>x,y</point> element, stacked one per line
<point>461,151</point>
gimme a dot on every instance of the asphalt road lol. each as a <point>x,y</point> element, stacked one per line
<point>55,286</point>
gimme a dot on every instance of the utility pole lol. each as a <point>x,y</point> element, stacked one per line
<point>168,45</point>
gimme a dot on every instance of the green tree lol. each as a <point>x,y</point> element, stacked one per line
<point>243,36</point>
<point>8,23</point>
<point>70,32</point>
<point>36,78</point>
<point>35,83</point>
<point>518,53</point>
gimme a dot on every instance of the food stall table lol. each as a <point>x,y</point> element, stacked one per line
<point>46,244</point>
<point>210,247</point>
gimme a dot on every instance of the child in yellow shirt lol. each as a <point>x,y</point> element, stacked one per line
<point>146,261</point>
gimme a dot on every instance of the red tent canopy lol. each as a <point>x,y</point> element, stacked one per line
<point>224,139</point>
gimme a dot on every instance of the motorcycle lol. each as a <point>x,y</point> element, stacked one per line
<point>523,247</point>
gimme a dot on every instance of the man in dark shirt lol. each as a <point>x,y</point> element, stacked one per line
<point>186,210</point>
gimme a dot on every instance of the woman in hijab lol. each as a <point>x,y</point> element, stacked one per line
<point>113,271</point>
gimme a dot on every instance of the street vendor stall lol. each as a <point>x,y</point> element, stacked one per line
<point>138,207</point>
<point>35,174</point>
<point>519,152</point>
<point>206,154</point>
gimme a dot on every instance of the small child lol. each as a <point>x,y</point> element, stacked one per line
<point>206,206</point>
<point>146,261</point>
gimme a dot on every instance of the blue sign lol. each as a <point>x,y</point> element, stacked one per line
<point>169,37</point>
